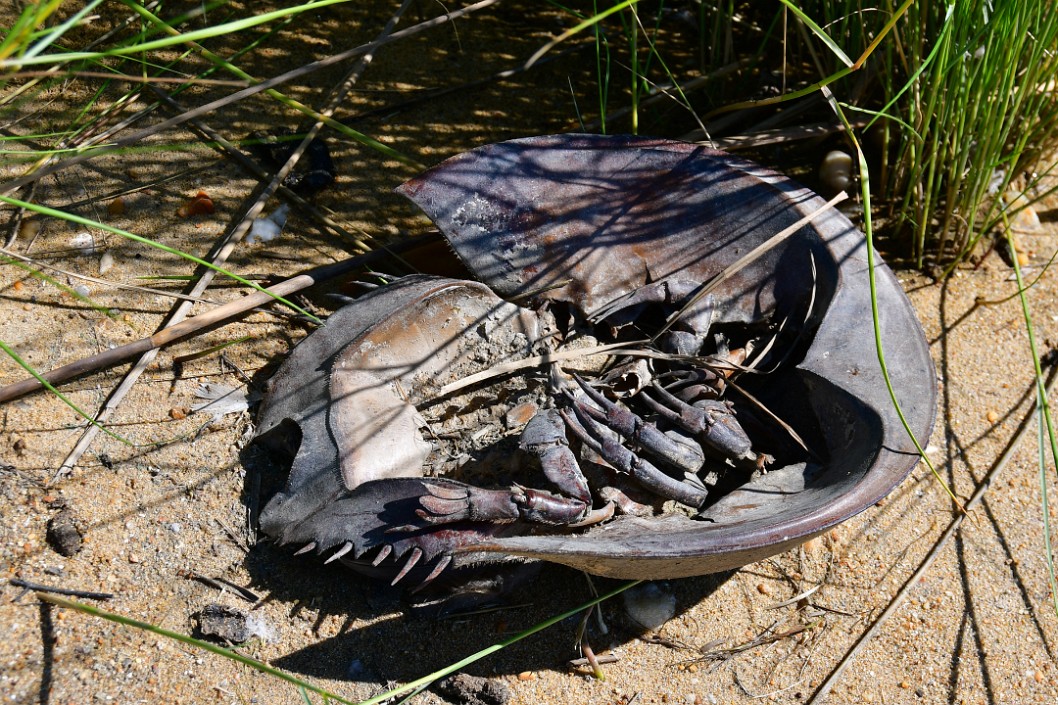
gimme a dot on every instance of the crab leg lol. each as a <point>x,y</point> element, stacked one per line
<point>627,424</point>
<point>452,502</point>
<point>697,383</point>
<point>713,421</point>
<point>626,461</point>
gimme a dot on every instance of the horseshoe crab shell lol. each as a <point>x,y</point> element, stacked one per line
<point>583,220</point>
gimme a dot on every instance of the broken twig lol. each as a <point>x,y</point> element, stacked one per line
<point>37,587</point>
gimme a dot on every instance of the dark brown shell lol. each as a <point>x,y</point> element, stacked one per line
<point>586,219</point>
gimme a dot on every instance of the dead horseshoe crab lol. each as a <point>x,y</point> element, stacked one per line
<point>582,402</point>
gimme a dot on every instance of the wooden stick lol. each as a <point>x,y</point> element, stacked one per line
<point>228,242</point>
<point>37,587</point>
<point>221,314</point>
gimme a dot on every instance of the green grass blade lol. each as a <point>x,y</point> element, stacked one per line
<point>20,33</point>
<point>66,400</point>
<point>221,63</point>
<point>44,210</point>
<point>37,274</point>
<point>52,35</point>
<point>1045,423</point>
<point>415,685</point>
<point>191,641</point>
<point>868,230</point>
<point>452,668</point>
<point>819,32</point>
<point>196,35</point>
<point>580,27</point>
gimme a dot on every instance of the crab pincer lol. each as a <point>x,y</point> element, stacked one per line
<point>544,437</point>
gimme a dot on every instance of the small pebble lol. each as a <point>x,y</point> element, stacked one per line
<point>201,204</point>
<point>763,589</point>
<point>520,414</point>
<point>63,533</point>
<point>836,170</point>
<point>116,206</point>
<point>269,227</point>
<point>29,228</point>
<point>525,676</point>
<point>649,605</point>
<point>466,689</point>
<point>178,412</point>
<point>358,671</point>
<point>1024,216</point>
<point>54,500</point>
<point>232,624</point>
<point>992,417</point>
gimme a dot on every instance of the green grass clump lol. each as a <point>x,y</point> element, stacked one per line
<point>978,120</point>
<point>960,96</point>
<point>963,97</point>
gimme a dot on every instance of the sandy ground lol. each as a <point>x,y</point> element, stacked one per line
<point>979,627</point>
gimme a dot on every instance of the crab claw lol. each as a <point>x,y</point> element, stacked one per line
<point>624,460</point>
<point>356,527</point>
<point>545,437</point>
<point>625,423</point>
<point>712,421</point>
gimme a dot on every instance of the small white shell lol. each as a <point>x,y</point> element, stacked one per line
<point>84,243</point>
<point>836,170</point>
<point>105,263</point>
<point>269,227</point>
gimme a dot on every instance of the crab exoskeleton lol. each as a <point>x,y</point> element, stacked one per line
<point>594,398</point>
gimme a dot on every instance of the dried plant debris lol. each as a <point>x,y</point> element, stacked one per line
<point>232,625</point>
<point>220,399</point>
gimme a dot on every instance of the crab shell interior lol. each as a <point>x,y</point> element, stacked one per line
<point>586,218</point>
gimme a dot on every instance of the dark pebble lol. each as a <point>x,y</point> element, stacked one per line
<point>63,533</point>
<point>465,689</point>
<point>223,623</point>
